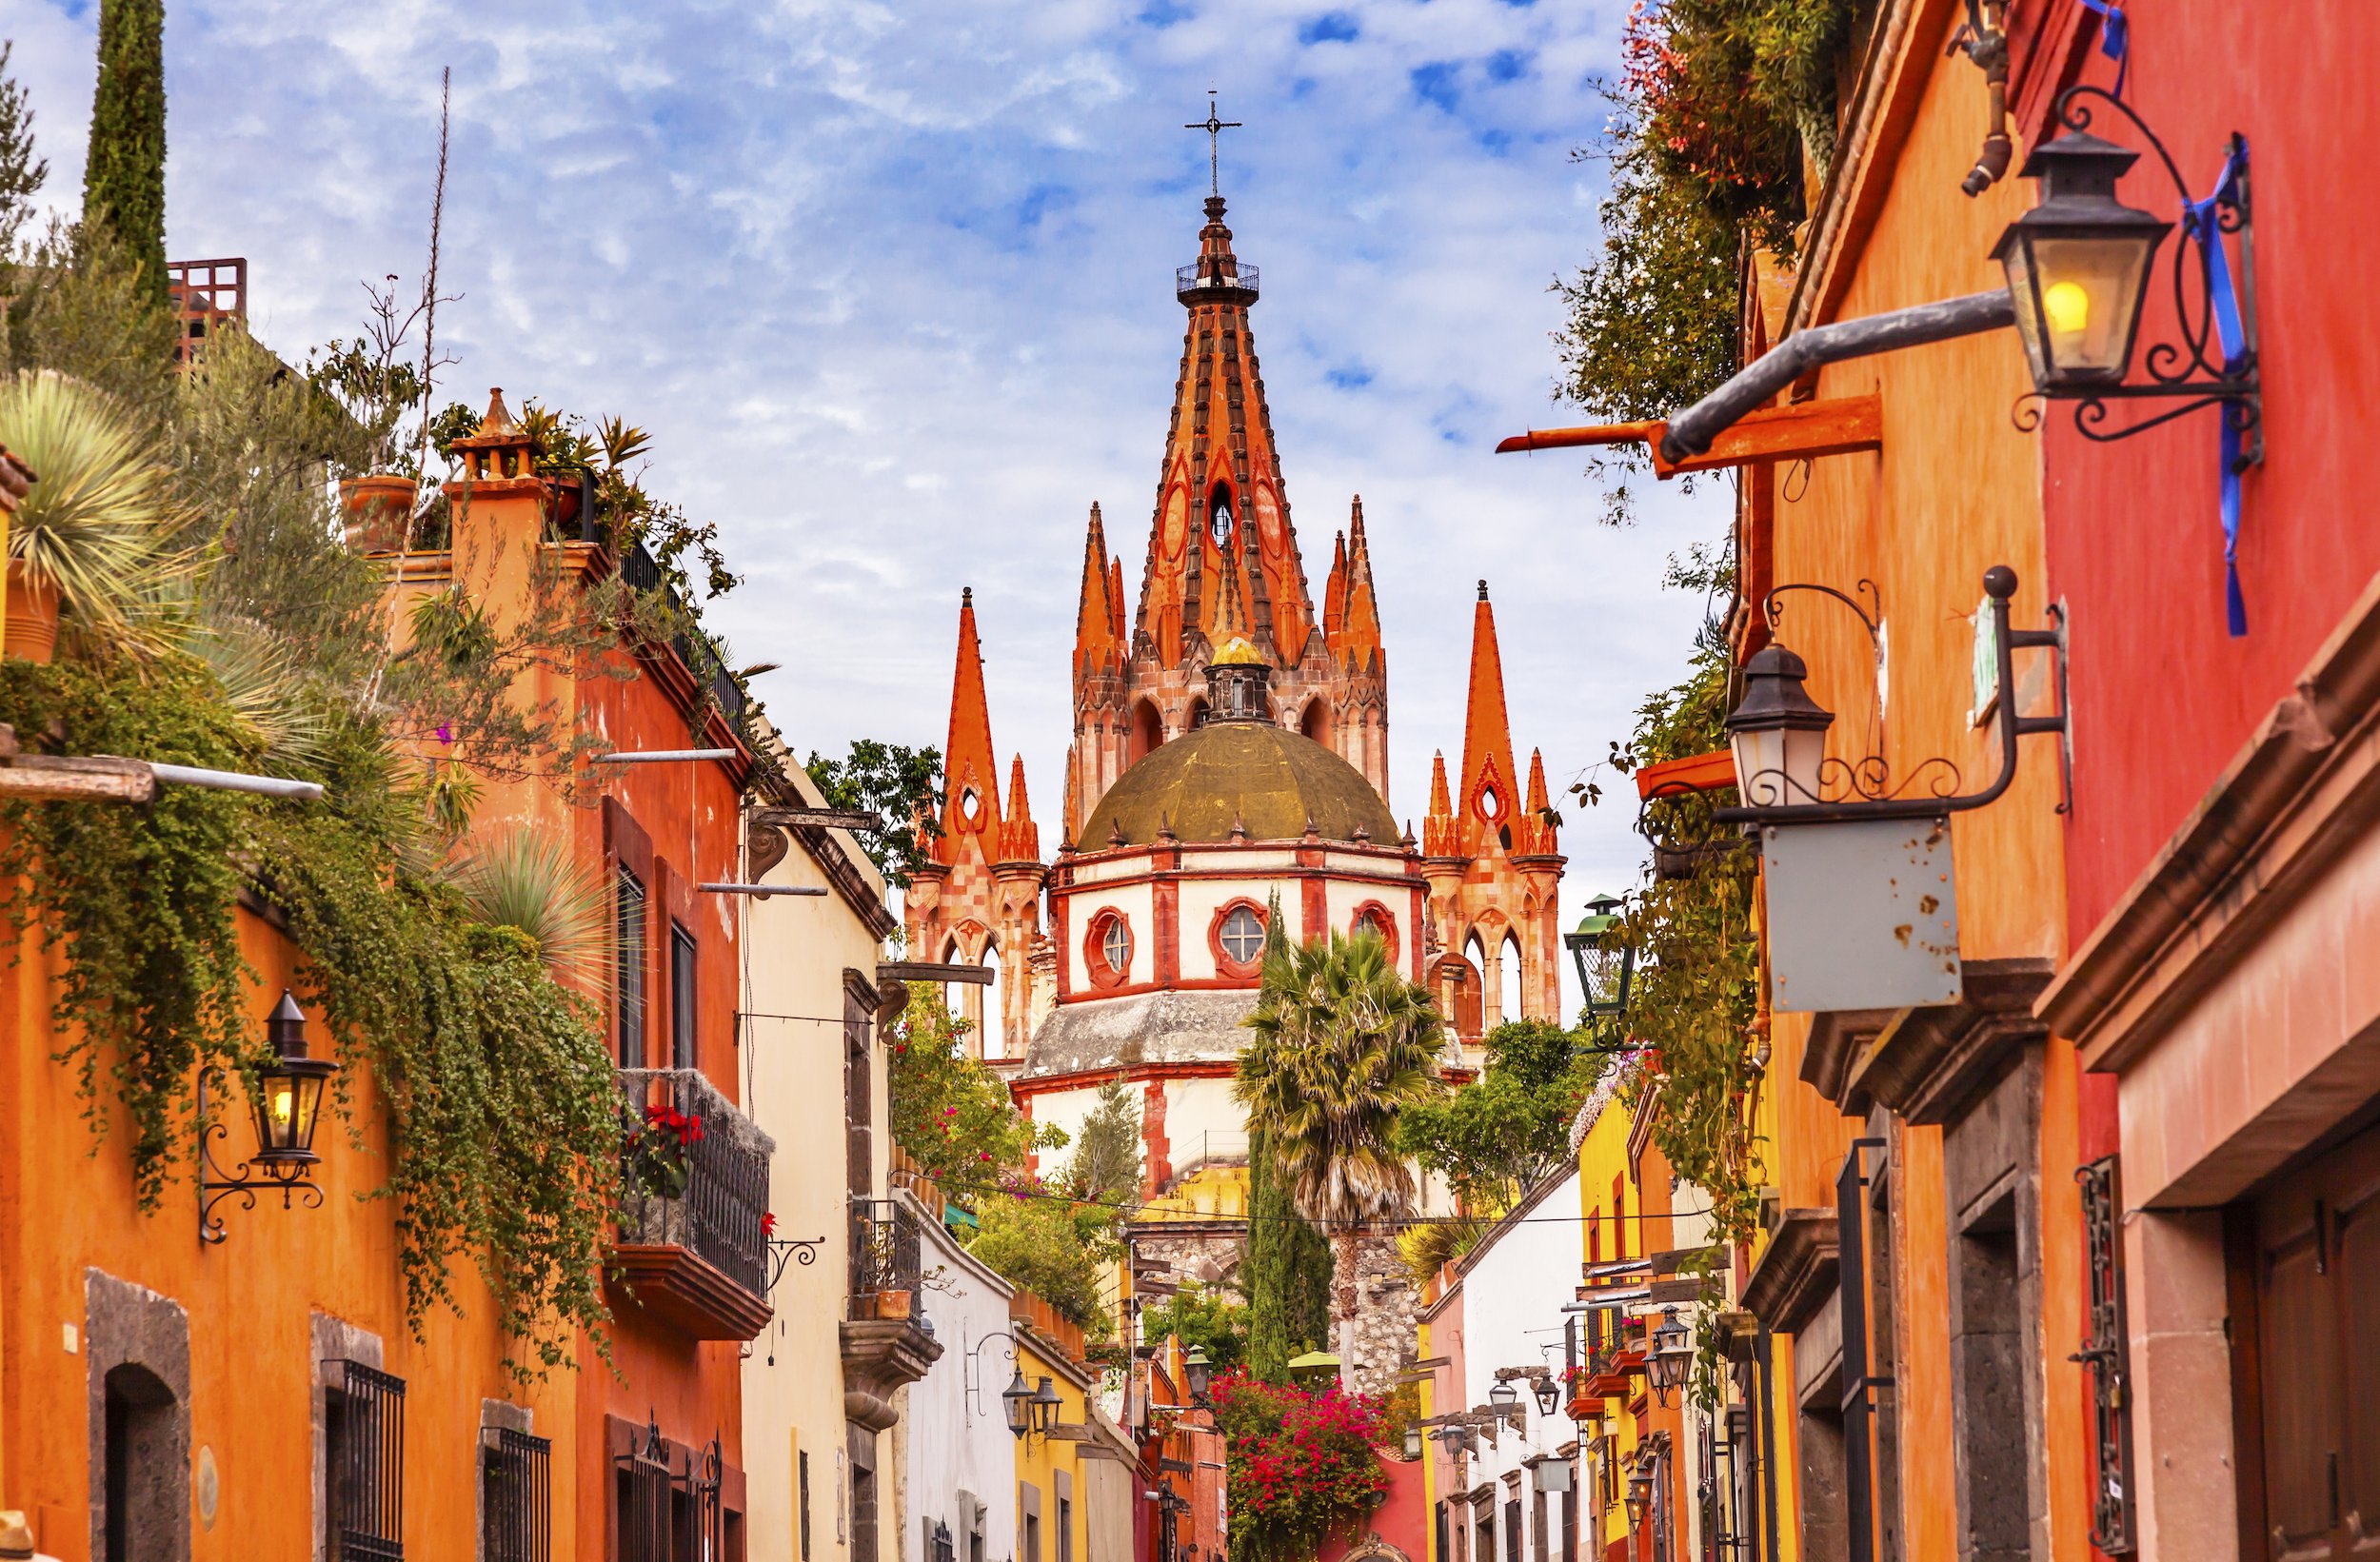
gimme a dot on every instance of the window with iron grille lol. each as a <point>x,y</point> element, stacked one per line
<point>681,997</point>
<point>628,980</point>
<point>515,1497</point>
<point>642,1493</point>
<point>364,1465</point>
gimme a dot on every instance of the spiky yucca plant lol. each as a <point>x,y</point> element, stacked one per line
<point>1343,1043</point>
<point>101,524</point>
<point>527,879</point>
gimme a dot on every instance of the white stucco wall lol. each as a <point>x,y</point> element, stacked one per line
<point>1136,905</point>
<point>793,1378</point>
<point>1513,1297</point>
<point>960,1457</point>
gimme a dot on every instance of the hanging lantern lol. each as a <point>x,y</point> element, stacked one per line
<point>1016,1403</point>
<point>1606,957</point>
<point>1200,1373</point>
<point>1673,1356</point>
<point>1549,1395</point>
<point>1046,1406</point>
<point>2077,264</point>
<point>1777,732</point>
<point>289,1091</point>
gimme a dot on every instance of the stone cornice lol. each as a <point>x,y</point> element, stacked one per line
<point>1930,1064</point>
<point>1795,1272</point>
<point>881,1356</point>
<point>2264,830</point>
<point>1837,1038</point>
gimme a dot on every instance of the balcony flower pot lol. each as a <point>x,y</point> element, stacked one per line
<point>377,509</point>
<point>32,628</point>
<point>892,1305</point>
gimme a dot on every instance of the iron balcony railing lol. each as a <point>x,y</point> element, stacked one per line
<point>695,1172</point>
<point>887,1252</point>
<point>1199,275</point>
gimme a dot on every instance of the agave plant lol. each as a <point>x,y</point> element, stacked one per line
<point>263,684</point>
<point>527,879</point>
<point>101,524</point>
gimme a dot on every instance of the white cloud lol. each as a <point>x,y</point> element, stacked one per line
<point>890,284</point>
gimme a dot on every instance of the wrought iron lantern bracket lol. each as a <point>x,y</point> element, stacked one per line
<point>785,1250</point>
<point>1871,795</point>
<point>2192,370</point>
<point>293,1178</point>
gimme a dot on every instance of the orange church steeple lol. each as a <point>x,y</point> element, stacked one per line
<point>970,774</point>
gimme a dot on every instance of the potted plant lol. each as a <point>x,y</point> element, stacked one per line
<point>659,1165</point>
<point>373,377</point>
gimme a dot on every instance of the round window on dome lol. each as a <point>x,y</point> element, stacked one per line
<point>1115,945</point>
<point>1243,937</point>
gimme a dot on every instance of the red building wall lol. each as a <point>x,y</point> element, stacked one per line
<point>2161,696</point>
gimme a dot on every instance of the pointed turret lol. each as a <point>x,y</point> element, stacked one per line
<point>1021,838</point>
<point>1441,835</point>
<point>1532,833</point>
<point>1488,792</point>
<point>1359,643</point>
<point>970,774</point>
<point>1094,643</point>
<point>1335,596</point>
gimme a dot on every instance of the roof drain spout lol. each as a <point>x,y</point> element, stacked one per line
<point>1986,43</point>
<point>1691,432</point>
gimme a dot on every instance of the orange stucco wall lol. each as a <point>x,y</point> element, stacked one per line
<point>1956,488</point>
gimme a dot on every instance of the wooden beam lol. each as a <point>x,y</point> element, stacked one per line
<point>833,819</point>
<point>930,971</point>
<point>1797,432</point>
<point>1800,432</point>
<point>77,779</point>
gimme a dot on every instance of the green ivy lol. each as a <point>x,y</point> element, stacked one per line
<point>139,901</point>
<point>502,1114</point>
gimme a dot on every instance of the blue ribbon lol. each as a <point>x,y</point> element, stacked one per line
<point>2114,36</point>
<point>2201,223</point>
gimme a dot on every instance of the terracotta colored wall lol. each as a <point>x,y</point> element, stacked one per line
<point>2163,697</point>
<point>67,1207</point>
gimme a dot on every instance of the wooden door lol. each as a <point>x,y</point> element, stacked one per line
<point>2318,1348</point>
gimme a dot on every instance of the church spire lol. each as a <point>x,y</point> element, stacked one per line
<point>1488,794</point>
<point>1021,838</point>
<point>1220,484</point>
<point>970,774</point>
<point>1358,645</point>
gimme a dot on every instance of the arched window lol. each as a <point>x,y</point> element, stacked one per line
<point>1148,731</point>
<point>1316,723</point>
<point>1236,938</point>
<point>1508,959</point>
<point>1221,526</point>
<point>954,994</point>
<point>990,1014</point>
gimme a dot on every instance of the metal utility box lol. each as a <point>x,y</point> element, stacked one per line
<point>1860,916</point>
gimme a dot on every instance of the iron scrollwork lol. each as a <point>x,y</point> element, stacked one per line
<point>2194,368</point>
<point>2103,1355</point>
<point>1851,791</point>
<point>785,1250</point>
<point>293,1180</point>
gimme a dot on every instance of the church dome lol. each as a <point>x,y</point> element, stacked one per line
<point>1267,779</point>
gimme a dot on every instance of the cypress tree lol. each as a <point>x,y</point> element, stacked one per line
<point>1289,1264</point>
<point>123,182</point>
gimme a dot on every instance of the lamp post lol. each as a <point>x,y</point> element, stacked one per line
<point>1671,1357</point>
<point>1200,1373</point>
<point>285,1110</point>
<point>1605,955</point>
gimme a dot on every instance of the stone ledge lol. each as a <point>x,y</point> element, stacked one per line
<point>1837,1038</point>
<point>680,1288</point>
<point>1795,1272</point>
<point>1930,1064</point>
<point>879,1357</point>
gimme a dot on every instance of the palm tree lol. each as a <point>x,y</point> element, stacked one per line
<point>1343,1044</point>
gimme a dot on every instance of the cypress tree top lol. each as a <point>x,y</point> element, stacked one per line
<point>123,182</point>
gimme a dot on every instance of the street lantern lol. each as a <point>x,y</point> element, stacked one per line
<point>2077,264</point>
<point>1016,1402</point>
<point>1549,1394</point>
<point>1777,732</point>
<point>285,1110</point>
<point>1196,1368</point>
<point>1504,1396</point>
<point>288,1090</point>
<point>1046,1406</point>
<point>1413,1442</point>
<point>1639,1497</point>
<point>1673,1355</point>
<point>1605,955</point>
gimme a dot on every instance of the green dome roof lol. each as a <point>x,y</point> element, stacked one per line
<point>1267,778</point>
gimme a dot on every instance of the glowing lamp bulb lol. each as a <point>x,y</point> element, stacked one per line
<point>2067,307</point>
<point>284,1106</point>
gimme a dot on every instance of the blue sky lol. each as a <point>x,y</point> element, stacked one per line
<point>891,285</point>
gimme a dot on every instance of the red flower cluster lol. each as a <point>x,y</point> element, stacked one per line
<point>670,1120</point>
<point>768,1222</point>
<point>1299,1463</point>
